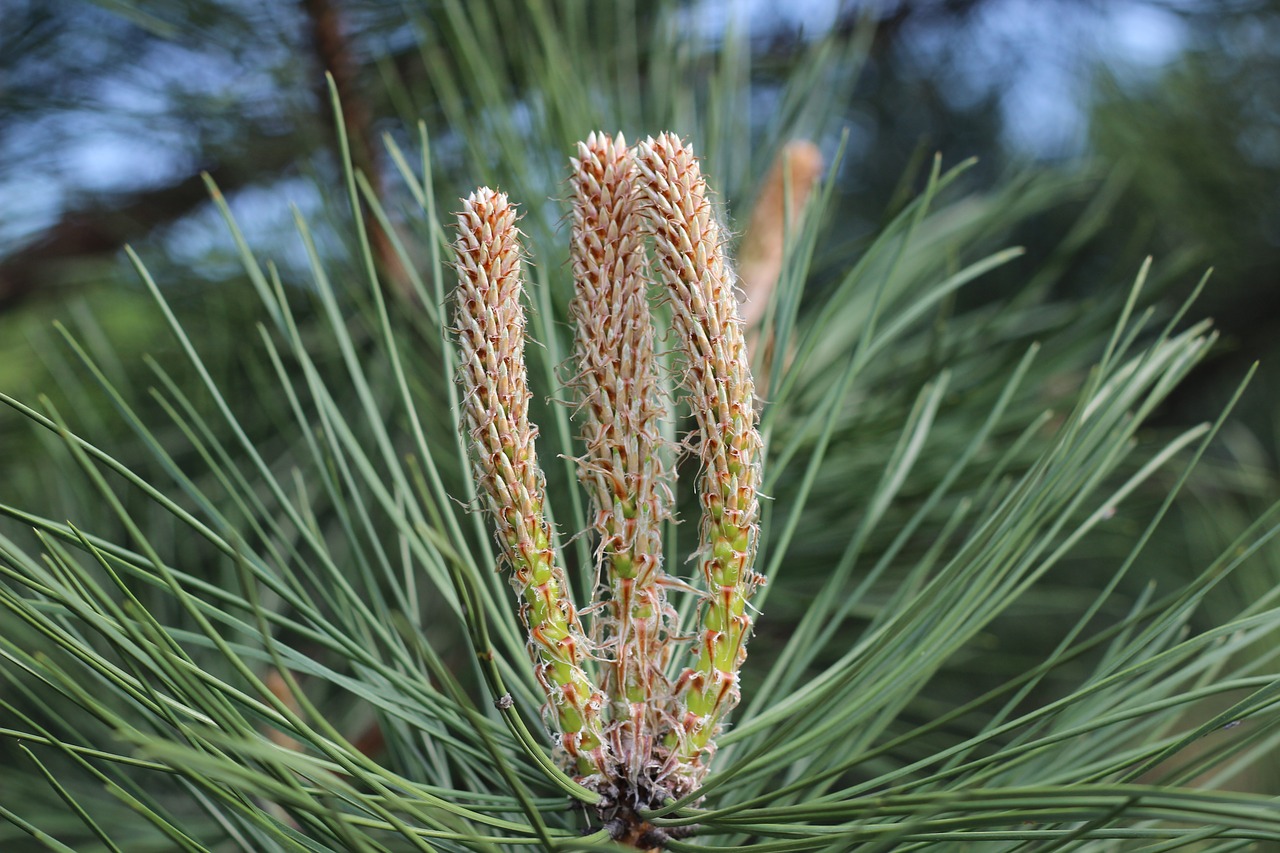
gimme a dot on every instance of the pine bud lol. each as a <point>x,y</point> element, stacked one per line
<point>490,332</point>
<point>621,411</point>
<point>719,389</point>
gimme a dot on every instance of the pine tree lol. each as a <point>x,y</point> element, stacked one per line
<point>277,619</point>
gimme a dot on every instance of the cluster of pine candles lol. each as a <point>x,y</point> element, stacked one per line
<point>633,722</point>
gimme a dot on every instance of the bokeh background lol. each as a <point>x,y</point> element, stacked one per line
<point>110,111</point>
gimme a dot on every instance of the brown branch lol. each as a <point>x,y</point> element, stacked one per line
<point>334,53</point>
<point>104,223</point>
